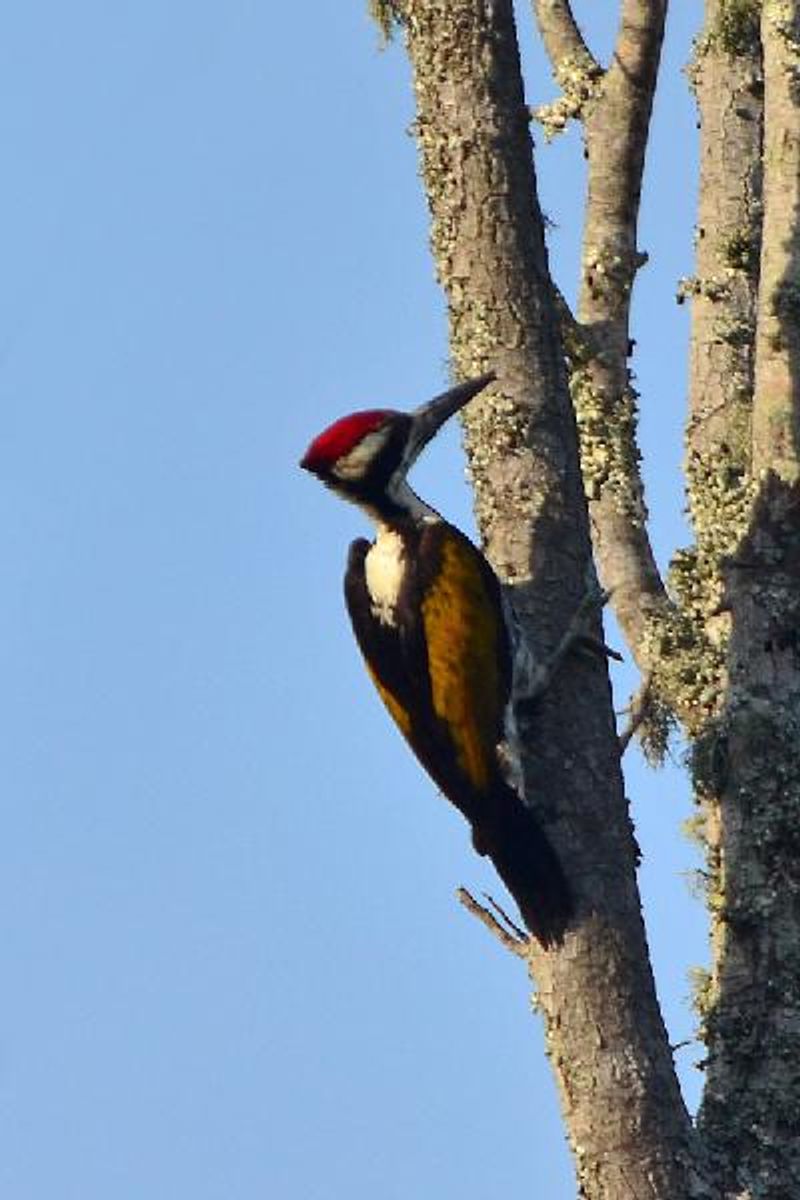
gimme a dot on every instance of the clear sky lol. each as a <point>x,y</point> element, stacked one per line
<point>232,964</point>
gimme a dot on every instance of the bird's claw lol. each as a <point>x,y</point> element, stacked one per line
<point>575,637</point>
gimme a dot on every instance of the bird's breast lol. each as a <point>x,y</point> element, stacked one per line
<point>384,569</point>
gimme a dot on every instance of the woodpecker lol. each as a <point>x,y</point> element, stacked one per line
<point>428,616</point>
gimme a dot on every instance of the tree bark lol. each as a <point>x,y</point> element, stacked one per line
<point>616,118</point>
<point>615,129</point>
<point>727,77</point>
<point>719,639</point>
<point>776,413</point>
<point>626,1119</point>
<point>752,1096</point>
<point>745,573</point>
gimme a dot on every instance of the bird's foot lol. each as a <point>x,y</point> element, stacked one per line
<point>574,639</point>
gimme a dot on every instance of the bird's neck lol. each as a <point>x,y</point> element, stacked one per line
<point>398,504</point>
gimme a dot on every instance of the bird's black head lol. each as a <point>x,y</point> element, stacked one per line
<point>366,456</point>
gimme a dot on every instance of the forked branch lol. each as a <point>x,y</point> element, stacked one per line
<point>575,69</point>
<point>616,126</point>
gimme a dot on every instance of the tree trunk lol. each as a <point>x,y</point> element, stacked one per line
<point>742,473</point>
<point>553,456</point>
<point>624,1112</point>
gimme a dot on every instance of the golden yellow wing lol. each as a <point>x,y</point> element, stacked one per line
<point>441,664</point>
<point>467,653</point>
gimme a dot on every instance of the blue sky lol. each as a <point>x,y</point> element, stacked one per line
<point>232,963</point>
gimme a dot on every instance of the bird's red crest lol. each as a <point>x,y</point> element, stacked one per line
<point>340,438</point>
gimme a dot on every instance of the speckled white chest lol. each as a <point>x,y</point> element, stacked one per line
<point>384,567</point>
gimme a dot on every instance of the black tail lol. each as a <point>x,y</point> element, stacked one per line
<point>528,865</point>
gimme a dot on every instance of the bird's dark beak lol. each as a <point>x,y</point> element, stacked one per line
<point>430,417</point>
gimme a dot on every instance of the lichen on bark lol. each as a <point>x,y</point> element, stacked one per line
<point>472,127</point>
<point>732,29</point>
<point>717,638</point>
<point>578,77</point>
<point>386,16</point>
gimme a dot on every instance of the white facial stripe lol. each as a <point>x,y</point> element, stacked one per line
<point>355,464</point>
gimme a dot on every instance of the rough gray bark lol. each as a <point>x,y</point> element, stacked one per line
<point>626,1119</point>
<point>742,472</point>
<point>751,760</point>
<point>718,639</point>
<point>615,126</point>
<point>727,77</point>
<point>776,408</point>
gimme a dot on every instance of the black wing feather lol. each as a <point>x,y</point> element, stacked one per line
<point>396,655</point>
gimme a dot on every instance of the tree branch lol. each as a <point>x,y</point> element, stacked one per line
<point>518,945</point>
<point>575,69</point>
<point>636,713</point>
<point>616,129</point>
<point>560,32</point>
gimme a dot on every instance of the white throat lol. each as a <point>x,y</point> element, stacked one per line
<point>384,568</point>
